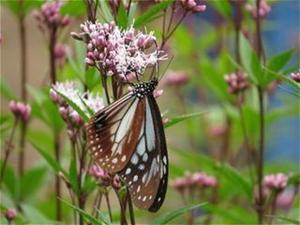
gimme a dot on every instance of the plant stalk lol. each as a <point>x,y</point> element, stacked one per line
<point>260,160</point>
<point>23,64</point>
<point>7,151</point>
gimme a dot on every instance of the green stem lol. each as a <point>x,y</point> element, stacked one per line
<point>7,151</point>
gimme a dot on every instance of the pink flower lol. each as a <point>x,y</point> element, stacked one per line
<point>125,53</point>
<point>176,78</point>
<point>180,184</point>
<point>102,175</point>
<point>237,82</point>
<point>192,5</point>
<point>276,181</point>
<point>49,16</point>
<point>10,214</point>
<point>158,93</point>
<point>217,130</point>
<point>264,9</point>
<point>285,200</point>
<point>296,76</point>
<point>20,110</point>
<point>203,180</point>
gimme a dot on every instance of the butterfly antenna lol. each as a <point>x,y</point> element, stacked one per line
<point>165,70</point>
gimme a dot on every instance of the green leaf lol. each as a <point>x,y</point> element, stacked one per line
<point>106,13</point>
<point>168,217</point>
<point>34,215</point>
<point>87,216</point>
<point>73,8</point>
<point>223,7</point>
<point>239,181</point>
<point>89,184</point>
<point>178,119</point>
<point>41,138</point>
<point>88,109</point>
<point>279,75</point>
<point>28,187</point>
<point>285,219</point>
<point>28,5</point>
<point>122,19</point>
<point>6,91</point>
<point>195,158</point>
<point>277,62</point>
<point>11,182</point>
<point>152,13</point>
<point>294,179</point>
<point>73,176</point>
<point>214,79</point>
<point>74,106</point>
<point>222,212</point>
<point>52,162</point>
<point>250,61</point>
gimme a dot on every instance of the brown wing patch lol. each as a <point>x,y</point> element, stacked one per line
<point>102,130</point>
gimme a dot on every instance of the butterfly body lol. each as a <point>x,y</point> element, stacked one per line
<point>127,138</point>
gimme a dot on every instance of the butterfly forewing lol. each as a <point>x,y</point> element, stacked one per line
<point>113,132</point>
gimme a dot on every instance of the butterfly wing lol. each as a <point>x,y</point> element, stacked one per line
<point>112,133</point>
<point>146,174</point>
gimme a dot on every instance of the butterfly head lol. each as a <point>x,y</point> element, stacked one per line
<point>143,89</point>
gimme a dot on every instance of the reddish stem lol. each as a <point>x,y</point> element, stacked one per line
<point>23,64</point>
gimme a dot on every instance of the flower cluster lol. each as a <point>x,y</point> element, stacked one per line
<point>198,179</point>
<point>192,5</point>
<point>118,52</point>
<point>49,16</point>
<point>264,9</point>
<point>296,76</point>
<point>276,181</point>
<point>176,78</point>
<point>71,91</point>
<point>237,82</point>
<point>20,110</point>
<point>104,178</point>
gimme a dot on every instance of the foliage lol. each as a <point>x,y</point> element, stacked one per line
<point>224,101</point>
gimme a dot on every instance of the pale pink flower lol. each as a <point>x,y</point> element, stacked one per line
<point>20,110</point>
<point>285,200</point>
<point>49,16</point>
<point>236,82</point>
<point>264,9</point>
<point>119,52</point>
<point>276,181</point>
<point>176,78</point>
<point>192,5</point>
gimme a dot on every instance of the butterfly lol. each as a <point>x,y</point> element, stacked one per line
<point>127,138</point>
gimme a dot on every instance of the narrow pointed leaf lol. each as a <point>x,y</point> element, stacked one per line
<point>178,119</point>
<point>168,217</point>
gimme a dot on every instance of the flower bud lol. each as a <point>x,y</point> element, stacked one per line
<point>20,110</point>
<point>237,82</point>
<point>158,93</point>
<point>76,119</point>
<point>10,214</point>
<point>296,76</point>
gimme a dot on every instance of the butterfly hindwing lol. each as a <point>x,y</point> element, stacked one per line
<point>147,172</point>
